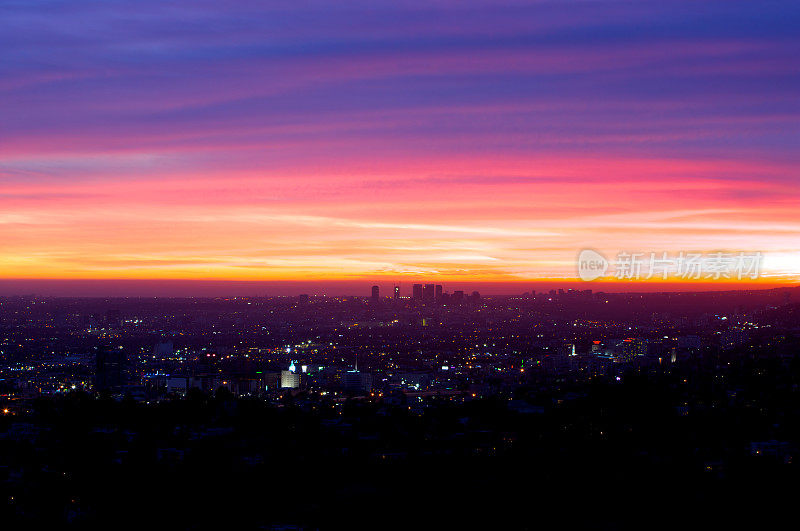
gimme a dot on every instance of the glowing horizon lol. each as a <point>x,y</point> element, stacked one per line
<point>456,142</point>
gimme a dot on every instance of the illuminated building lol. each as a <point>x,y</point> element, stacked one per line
<point>633,347</point>
<point>290,379</point>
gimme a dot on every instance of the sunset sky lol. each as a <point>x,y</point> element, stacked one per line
<point>455,141</point>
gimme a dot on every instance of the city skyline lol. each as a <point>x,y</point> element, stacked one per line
<point>475,264</point>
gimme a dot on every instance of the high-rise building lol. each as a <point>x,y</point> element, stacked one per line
<point>358,382</point>
<point>632,347</point>
<point>428,293</point>
<point>110,369</point>
<point>458,296</point>
<point>396,292</point>
<point>439,293</point>
<point>417,291</point>
<point>376,293</point>
<point>290,379</point>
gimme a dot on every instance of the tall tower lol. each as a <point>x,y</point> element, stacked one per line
<point>396,292</point>
<point>417,291</point>
<point>376,293</point>
<point>428,292</point>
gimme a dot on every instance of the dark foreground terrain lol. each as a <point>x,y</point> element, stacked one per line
<point>710,443</point>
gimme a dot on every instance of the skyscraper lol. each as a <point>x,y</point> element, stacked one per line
<point>110,369</point>
<point>428,293</point>
<point>417,292</point>
<point>376,293</point>
<point>396,292</point>
<point>438,293</point>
